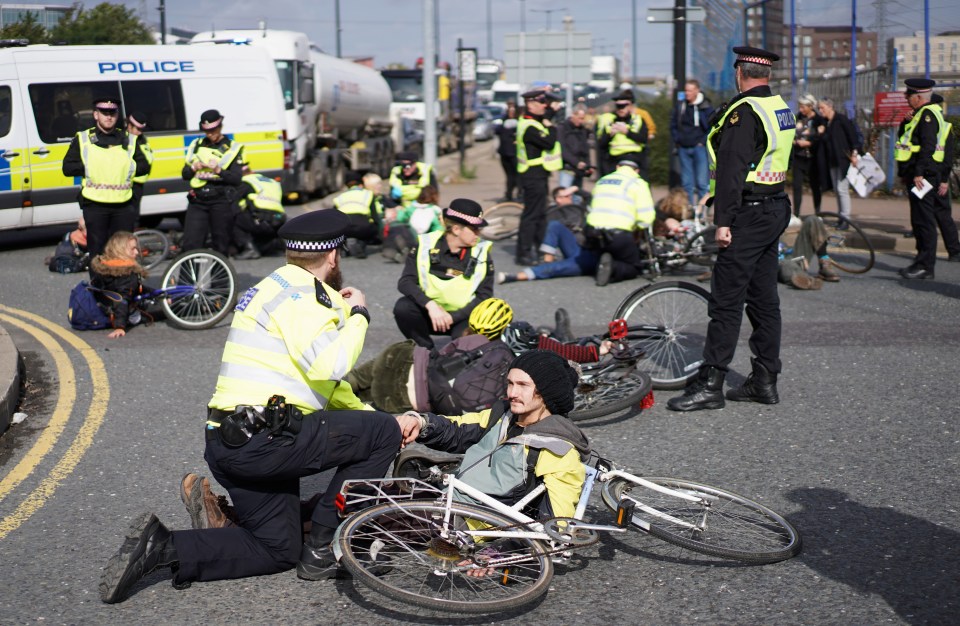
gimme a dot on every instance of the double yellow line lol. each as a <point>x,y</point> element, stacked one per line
<point>38,327</point>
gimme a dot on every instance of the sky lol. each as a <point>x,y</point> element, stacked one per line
<point>392,30</point>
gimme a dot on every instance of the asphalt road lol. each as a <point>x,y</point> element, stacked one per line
<point>861,455</point>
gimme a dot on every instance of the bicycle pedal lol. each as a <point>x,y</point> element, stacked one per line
<point>625,512</point>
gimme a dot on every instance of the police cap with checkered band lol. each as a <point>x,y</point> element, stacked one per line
<point>315,231</point>
<point>749,54</point>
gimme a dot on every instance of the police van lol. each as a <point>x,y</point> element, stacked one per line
<point>46,95</point>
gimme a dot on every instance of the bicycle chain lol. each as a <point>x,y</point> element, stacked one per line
<point>559,548</point>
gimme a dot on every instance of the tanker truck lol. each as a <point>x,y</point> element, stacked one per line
<point>337,112</point>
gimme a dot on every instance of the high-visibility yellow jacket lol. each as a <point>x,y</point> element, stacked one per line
<point>621,201</point>
<point>107,171</point>
<point>410,191</point>
<point>551,160</point>
<point>223,156</point>
<point>294,336</point>
<point>147,153</point>
<point>456,292</point>
<point>267,194</point>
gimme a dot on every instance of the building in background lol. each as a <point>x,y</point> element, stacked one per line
<point>47,15</point>
<point>944,54</point>
<point>824,50</point>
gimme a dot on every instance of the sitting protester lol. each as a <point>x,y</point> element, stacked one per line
<point>71,256</point>
<point>116,278</point>
<point>519,442</point>
<point>260,215</point>
<point>418,218</point>
<point>364,212</point>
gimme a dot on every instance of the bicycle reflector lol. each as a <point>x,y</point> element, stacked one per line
<point>647,402</point>
<point>625,512</point>
<point>617,329</point>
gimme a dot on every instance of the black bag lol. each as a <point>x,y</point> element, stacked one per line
<point>468,380</point>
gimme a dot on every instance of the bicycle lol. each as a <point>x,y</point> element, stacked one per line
<point>153,247</point>
<point>198,290</point>
<point>503,221</point>
<point>849,247</point>
<point>412,541</point>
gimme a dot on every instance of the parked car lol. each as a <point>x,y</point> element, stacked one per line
<point>483,127</point>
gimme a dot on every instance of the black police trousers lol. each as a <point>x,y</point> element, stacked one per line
<point>533,219</point>
<point>746,272</point>
<point>924,223</point>
<point>948,228</point>
<point>626,254</point>
<point>103,220</point>
<point>414,322</point>
<point>214,218</point>
<point>263,479</point>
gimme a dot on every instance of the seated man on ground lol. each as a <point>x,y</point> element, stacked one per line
<point>407,223</point>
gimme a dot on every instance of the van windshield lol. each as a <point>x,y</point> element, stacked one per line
<point>406,88</point>
<point>285,70</point>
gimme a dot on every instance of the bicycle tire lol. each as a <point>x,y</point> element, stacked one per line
<point>702,249</point>
<point>736,527</point>
<point>214,294</point>
<point>503,221</point>
<point>850,250</point>
<point>407,535</point>
<point>153,247</point>
<point>672,354</point>
<point>609,393</point>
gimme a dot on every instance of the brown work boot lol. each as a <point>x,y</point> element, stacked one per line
<point>827,272</point>
<point>206,509</point>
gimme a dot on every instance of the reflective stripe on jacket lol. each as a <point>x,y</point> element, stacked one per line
<point>620,144</point>
<point>355,201</point>
<point>205,155</point>
<point>410,191</point>
<point>267,193</point>
<point>284,341</point>
<point>107,171</point>
<point>456,292</point>
<point>780,126</point>
<point>621,201</point>
<point>905,148</point>
<point>551,160</point>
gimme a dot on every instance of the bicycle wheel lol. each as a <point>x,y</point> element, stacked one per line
<point>201,289</point>
<point>850,249</point>
<point>397,550</point>
<point>725,524</point>
<point>153,247</point>
<point>608,393</point>
<point>702,248</point>
<point>668,322</point>
<point>503,221</point>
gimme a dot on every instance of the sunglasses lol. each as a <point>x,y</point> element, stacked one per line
<point>108,112</point>
<point>621,105</point>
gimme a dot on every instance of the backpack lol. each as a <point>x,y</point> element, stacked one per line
<point>468,380</point>
<point>67,259</point>
<point>84,312</point>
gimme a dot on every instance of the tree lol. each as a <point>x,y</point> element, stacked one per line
<point>103,24</point>
<point>28,28</point>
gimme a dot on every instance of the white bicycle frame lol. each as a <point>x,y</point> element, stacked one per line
<point>535,529</point>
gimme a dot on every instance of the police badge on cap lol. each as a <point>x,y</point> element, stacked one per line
<point>316,231</point>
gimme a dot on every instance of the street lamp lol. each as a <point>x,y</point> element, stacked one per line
<point>549,12</point>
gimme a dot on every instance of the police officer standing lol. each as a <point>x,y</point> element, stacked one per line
<point>214,167</point>
<point>944,213</point>
<point>136,125</point>
<point>621,205</point>
<point>295,334</point>
<point>409,177</point>
<point>621,134</point>
<point>919,154</point>
<point>107,159</point>
<point>538,154</point>
<point>749,146</point>
<point>446,275</point>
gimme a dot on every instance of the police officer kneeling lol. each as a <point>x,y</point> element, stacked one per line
<point>295,334</point>
<point>749,148</point>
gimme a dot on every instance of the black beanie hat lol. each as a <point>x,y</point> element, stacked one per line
<point>553,376</point>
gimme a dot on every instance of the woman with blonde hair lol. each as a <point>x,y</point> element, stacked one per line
<point>117,278</point>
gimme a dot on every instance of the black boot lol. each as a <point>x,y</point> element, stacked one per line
<point>706,392</point>
<point>249,252</point>
<point>562,329</point>
<point>317,561</point>
<point>148,546</point>
<point>760,386</point>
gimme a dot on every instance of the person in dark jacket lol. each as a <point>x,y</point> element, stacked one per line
<point>840,148</point>
<point>575,148</point>
<point>507,134</point>
<point>944,213</point>
<point>805,148</point>
<point>119,278</point>
<point>689,124</point>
